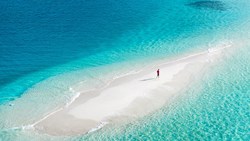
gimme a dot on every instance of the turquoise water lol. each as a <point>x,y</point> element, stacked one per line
<point>49,47</point>
<point>216,109</point>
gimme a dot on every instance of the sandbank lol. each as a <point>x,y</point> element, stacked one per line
<point>128,97</point>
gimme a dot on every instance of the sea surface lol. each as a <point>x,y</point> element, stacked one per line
<point>52,50</point>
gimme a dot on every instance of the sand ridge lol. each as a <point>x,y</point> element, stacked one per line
<point>130,96</point>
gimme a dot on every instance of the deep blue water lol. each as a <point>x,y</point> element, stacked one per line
<point>36,35</point>
<point>48,46</point>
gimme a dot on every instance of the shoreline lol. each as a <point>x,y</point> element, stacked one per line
<point>80,116</point>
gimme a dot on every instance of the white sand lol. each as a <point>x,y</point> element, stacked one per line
<point>131,96</point>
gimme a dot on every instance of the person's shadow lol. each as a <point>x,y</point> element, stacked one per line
<point>148,79</point>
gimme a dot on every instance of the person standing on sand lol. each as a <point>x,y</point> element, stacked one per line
<point>158,73</point>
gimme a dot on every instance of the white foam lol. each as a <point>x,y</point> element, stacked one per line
<point>73,99</point>
<point>46,116</point>
<point>101,125</point>
<point>24,127</point>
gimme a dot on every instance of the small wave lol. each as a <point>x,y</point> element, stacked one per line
<point>46,116</point>
<point>220,47</point>
<point>24,127</point>
<point>126,74</point>
<point>73,99</point>
<point>77,94</point>
<point>27,127</point>
<point>102,124</point>
<point>120,76</point>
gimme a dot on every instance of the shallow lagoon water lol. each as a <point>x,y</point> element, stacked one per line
<point>47,51</point>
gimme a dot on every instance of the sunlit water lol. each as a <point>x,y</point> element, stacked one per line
<point>51,51</point>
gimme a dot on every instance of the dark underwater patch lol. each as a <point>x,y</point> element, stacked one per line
<point>208,4</point>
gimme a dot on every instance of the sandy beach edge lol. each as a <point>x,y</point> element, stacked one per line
<point>128,97</point>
